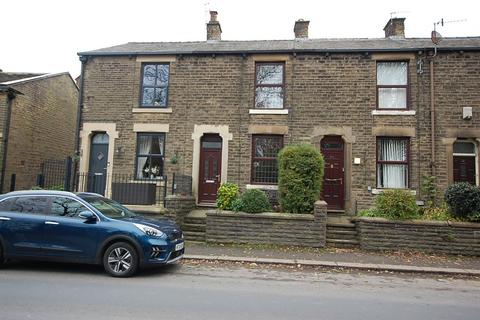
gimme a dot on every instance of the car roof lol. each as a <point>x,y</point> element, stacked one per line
<point>39,192</point>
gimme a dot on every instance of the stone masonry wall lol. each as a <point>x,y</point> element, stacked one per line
<point>336,90</point>
<point>269,228</point>
<point>431,236</point>
<point>43,124</point>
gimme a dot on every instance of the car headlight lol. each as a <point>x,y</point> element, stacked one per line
<point>149,231</point>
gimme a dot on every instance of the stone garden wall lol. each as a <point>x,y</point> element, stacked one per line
<point>430,236</point>
<point>269,228</point>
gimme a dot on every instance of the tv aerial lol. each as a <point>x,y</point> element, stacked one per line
<point>435,36</point>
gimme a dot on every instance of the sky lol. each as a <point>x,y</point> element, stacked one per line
<point>45,35</point>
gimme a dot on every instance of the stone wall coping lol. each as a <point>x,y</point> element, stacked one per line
<point>263,215</point>
<point>472,225</point>
<point>179,197</point>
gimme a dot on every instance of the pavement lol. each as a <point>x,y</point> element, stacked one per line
<point>397,261</point>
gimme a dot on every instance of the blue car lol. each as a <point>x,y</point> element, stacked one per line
<point>84,228</point>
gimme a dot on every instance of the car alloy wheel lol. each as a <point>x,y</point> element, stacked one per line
<point>120,260</point>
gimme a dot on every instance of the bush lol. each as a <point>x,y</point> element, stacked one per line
<point>367,213</point>
<point>396,204</point>
<point>437,213</point>
<point>226,194</point>
<point>464,200</point>
<point>252,201</point>
<point>300,178</point>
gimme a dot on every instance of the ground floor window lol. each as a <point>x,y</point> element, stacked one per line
<point>392,162</point>
<point>265,149</point>
<point>150,155</point>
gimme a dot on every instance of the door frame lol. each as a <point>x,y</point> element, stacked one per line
<point>91,160</point>
<point>88,130</point>
<point>346,133</point>
<point>198,132</point>
<point>474,156</point>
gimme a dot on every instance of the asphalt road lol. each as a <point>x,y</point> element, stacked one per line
<point>228,292</point>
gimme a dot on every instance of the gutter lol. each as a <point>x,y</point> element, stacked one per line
<point>84,60</point>
<point>292,50</point>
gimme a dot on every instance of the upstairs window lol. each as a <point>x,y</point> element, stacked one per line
<point>265,150</point>
<point>150,155</point>
<point>392,85</point>
<point>392,162</point>
<point>155,85</point>
<point>269,85</point>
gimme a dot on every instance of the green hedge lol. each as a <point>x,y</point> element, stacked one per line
<point>300,177</point>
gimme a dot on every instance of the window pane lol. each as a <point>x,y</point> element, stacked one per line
<point>392,73</point>
<point>269,97</point>
<point>464,147</point>
<point>149,75</point>
<point>211,145</point>
<point>265,171</point>
<point>100,138</point>
<point>267,146</point>
<point>392,176</point>
<point>144,144</point>
<point>156,144</point>
<point>66,207</point>
<point>270,74</point>
<point>392,149</point>
<point>35,205</point>
<point>5,205</point>
<point>148,96</point>
<point>392,98</point>
<point>163,71</point>
<point>156,166</point>
<point>160,98</point>
<point>142,167</point>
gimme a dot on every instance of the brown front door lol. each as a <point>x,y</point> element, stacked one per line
<point>333,190</point>
<point>210,167</point>
<point>464,169</point>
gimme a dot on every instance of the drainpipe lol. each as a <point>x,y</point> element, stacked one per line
<point>432,113</point>
<point>6,131</point>
<point>84,60</point>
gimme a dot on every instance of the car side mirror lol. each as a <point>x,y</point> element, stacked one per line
<point>88,216</point>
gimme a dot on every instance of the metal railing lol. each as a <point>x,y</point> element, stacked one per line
<point>124,188</point>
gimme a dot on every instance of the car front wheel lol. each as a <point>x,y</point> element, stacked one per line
<point>120,260</point>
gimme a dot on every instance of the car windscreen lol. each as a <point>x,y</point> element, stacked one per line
<point>109,208</point>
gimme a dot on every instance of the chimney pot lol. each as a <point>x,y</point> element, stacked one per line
<point>214,31</point>
<point>301,29</point>
<point>395,28</point>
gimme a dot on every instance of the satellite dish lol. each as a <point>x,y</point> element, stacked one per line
<point>436,37</point>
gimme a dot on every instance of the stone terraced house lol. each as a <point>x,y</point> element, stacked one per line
<point>384,112</point>
<point>38,120</point>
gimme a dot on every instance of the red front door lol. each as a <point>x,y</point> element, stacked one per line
<point>210,168</point>
<point>333,190</point>
<point>464,169</point>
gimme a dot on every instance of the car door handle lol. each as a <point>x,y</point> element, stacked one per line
<point>52,223</point>
<point>5,219</point>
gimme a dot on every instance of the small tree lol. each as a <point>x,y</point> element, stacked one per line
<point>300,177</point>
<point>464,200</point>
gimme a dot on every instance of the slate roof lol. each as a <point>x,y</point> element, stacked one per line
<point>303,45</point>
<point>11,76</point>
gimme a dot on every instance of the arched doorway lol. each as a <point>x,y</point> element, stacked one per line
<point>210,167</point>
<point>97,169</point>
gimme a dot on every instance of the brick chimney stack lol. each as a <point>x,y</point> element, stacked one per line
<point>214,31</point>
<point>395,28</point>
<point>301,29</point>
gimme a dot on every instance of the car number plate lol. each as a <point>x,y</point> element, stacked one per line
<point>179,246</point>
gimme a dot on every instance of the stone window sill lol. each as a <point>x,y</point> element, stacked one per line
<point>378,191</point>
<point>262,186</point>
<point>393,112</point>
<point>152,110</point>
<point>268,111</point>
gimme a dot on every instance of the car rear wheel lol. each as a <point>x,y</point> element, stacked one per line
<point>120,260</point>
